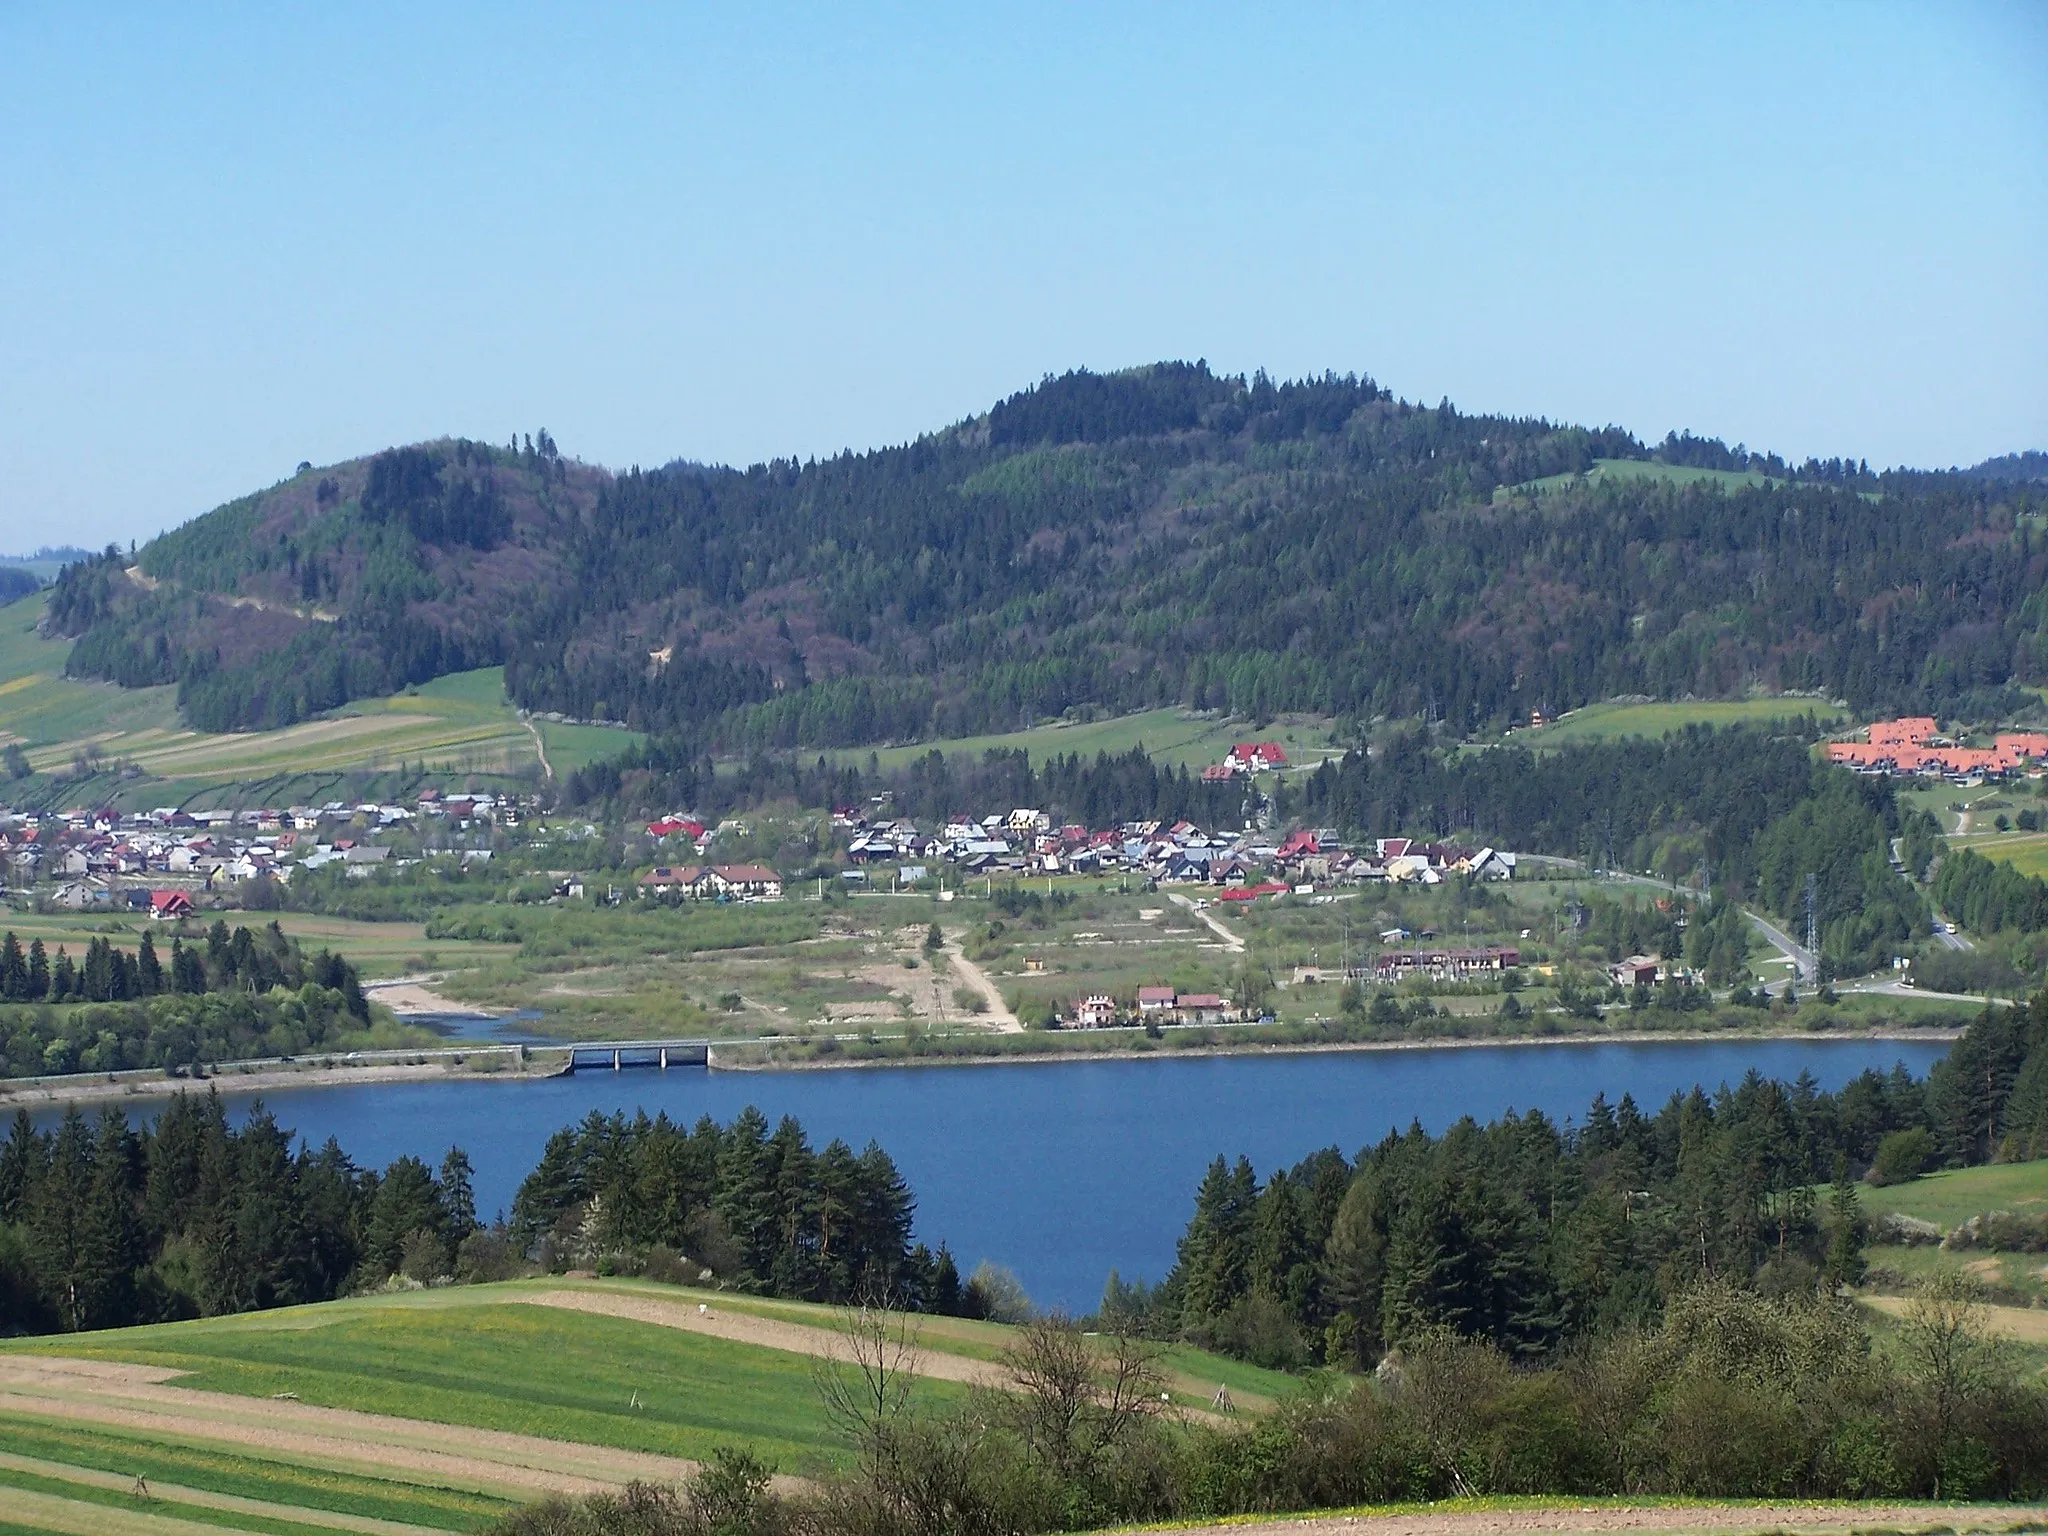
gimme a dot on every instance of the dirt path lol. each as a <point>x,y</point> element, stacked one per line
<point>486,1460</point>
<point>538,745</point>
<point>1727,1519</point>
<point>745,1328</point>
<point>178,1501</point>
<point>2025,1325</point>
<point>1230,940</point>
<point>1006,1022</point>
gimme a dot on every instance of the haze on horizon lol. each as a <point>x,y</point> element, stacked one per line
<point>238,238</point>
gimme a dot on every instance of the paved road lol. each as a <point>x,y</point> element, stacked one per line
<point>1805,964</point>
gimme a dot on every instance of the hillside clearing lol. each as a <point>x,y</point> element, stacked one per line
<point>1171,736</point>
<point>458,723</point>
<point>1616,719</point>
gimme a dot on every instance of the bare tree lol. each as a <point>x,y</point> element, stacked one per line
<point>865,1384</point>
<point>1072,1403</point>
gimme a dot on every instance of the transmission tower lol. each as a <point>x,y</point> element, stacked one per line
<point>1812,914</point>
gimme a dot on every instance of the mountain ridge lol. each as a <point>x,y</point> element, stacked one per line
<point>1097,541</point>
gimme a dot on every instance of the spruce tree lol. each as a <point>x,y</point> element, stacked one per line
<point>13,970</point>
<point>149,972</point>
<point>1848,1231</point>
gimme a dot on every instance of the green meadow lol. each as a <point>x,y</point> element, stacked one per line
<point>1615,720</point>
<point>1955,1195</point>
<point>437,1367</point>
<point>1171,736</point>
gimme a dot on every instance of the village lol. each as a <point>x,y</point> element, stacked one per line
<point>161,861</point>
<point>169,863</point>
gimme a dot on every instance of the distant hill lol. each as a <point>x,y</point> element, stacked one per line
<point>2029,466</point>
<point>21,575</point>
<point>1098,541</point>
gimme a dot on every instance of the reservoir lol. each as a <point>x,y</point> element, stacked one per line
<point>1063,1171</point>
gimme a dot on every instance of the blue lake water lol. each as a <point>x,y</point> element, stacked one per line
<point>1065,1170</point>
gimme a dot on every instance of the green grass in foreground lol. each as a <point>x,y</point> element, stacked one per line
<point>247,1476</point>
<point>524,1369</point>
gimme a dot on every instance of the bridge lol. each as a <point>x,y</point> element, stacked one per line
<point>617,1055</point>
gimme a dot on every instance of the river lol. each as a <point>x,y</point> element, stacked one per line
<point>1064,1170</point>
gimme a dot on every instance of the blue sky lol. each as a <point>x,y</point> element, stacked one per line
<point>234,238</point>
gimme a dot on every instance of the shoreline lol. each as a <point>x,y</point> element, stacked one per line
<point>149,1084</point>
<point>1935,1035</point>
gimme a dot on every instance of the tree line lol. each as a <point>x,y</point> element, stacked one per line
<point>104,1224</point>
<point>240,993</point>
<point>1989,895</point>
<point>1533,1237</point>
<point>241,960</point>
<point>756,1207</point>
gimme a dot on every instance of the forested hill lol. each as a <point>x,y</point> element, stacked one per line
<point>1162,535</point>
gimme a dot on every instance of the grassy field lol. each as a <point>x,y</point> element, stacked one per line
<point>1950,1198</point>
<point>461,723</point>
<point>1612,721</point>
<point>402,1407</point>
<point>1955,1195</point>
<point>1624,470</point>
<point>1172,737</point>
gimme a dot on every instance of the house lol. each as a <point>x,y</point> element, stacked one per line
<point>1097,1011</point>
<point>663,878</point>
<point>747,880</point>
<point>1635,971</point>
<point>1201,1008</point>
<point>1493,864</point>
<point>1155,999</point>
<point>169,906</point>
<point>1255,757</point>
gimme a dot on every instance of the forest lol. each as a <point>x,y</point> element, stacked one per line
<point>104,1224</point>
<point>1162,535</point>
<point>249,992</point>
<point>1530,1236</point>
<point>755,1207</point>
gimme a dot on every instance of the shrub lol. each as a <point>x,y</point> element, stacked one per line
<point>1902,1156</point>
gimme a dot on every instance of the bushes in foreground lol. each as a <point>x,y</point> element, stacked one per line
<point>1735,1395</point>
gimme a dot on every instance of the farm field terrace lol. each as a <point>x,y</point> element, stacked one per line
<point>461,723</point>
<point>444,1408</point>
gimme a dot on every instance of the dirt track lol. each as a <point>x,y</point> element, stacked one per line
<point>1722,1520</point>
<point>485,1460</point>
<point>745,1328</point>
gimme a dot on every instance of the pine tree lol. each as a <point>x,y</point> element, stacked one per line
<point>458,1195</point>
<point>1848,1231</point>
<point>38,970</point>
<point>149,972</point>
<point>13,970</point>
